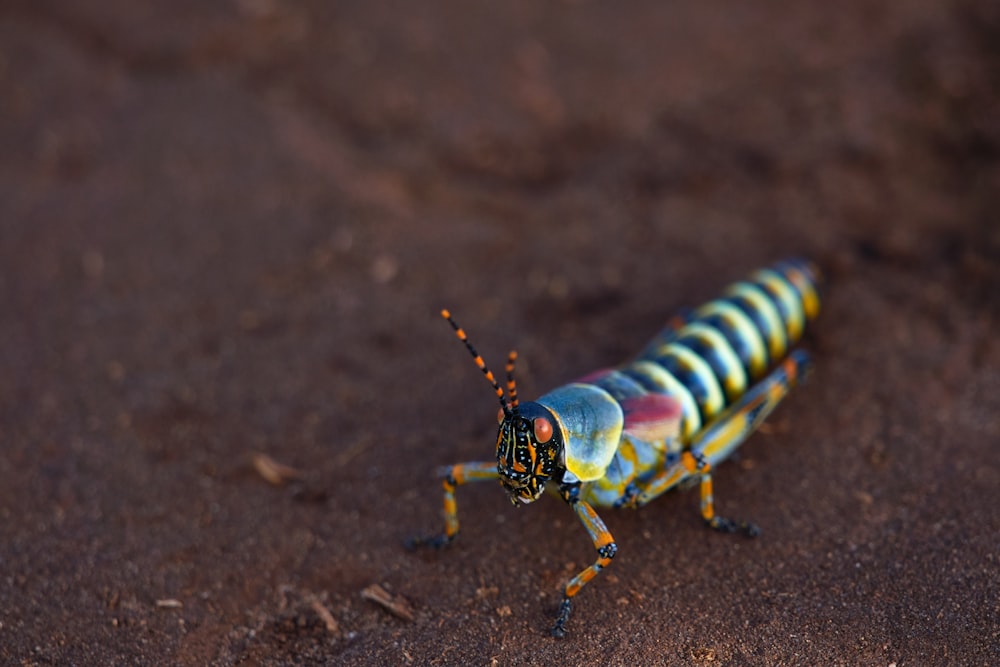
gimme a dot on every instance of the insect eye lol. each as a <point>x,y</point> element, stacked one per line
<point>500,416</point>
<point>543,430</point>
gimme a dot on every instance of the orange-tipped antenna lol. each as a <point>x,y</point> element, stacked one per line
<point>479,361</point>
<point>511,384</point>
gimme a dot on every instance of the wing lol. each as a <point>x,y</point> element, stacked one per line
<point>652,418</point>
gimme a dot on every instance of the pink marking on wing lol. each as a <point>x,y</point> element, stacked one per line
<point>652,417</point>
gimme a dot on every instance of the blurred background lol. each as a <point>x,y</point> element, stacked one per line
<point>226,230</point>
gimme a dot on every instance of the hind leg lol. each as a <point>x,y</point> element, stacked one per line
<point>727,432</point>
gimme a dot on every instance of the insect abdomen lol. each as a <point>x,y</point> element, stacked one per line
<point>728,344</point>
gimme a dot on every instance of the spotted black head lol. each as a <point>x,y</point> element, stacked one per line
<point>529,440</point>
<point>528,450</point>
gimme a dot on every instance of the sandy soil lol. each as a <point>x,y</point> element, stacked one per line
<point>226,230</point>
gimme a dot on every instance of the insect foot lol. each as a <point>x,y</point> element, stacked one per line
<point>729,526</point>
<point>434,541</point>
<point>559,629</point>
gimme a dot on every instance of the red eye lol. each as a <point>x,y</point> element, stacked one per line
<point>500,416</point>
<point>543,430</point>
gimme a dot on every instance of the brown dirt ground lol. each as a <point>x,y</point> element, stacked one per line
<point>227,229</point>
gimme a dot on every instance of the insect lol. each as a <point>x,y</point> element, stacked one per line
<point>621,437</point>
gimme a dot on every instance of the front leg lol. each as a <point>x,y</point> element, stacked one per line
<point>603,542</point>
<point>456,475</point>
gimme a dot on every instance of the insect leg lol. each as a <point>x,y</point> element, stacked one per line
<point>690,466</point>
<point>731,428</point>
<point>724,435</point>
<point>603,542</point>
<point>661,482</point>
<point>720,439</point>
<point>714,521</point>
<point>456,475</point>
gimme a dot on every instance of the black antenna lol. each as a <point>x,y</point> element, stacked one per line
<point>511,384</point>
<point>479,362</point>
